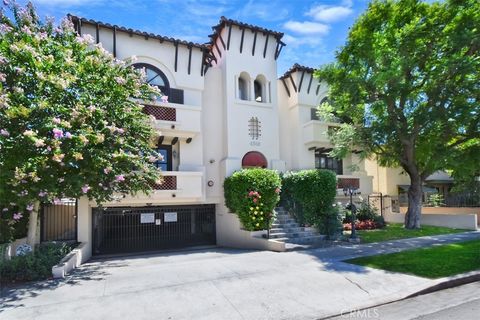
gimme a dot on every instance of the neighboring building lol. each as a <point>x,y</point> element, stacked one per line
<point>226,110</point>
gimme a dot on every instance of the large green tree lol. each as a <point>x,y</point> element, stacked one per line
<point>407,86</point>
<point>71,124</point>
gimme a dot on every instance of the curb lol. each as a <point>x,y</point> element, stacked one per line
<point>447,283</point>
<point>444,283</point>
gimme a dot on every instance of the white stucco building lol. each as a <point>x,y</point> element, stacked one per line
<point>226,109</point>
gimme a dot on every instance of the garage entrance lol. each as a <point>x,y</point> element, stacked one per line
<point>134,229</point>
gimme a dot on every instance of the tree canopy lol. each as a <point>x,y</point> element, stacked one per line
<point>407,86</point>
<point>71,122</point>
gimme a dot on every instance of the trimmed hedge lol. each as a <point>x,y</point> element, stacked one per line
<point>310,194</point>
<point>253,194</point>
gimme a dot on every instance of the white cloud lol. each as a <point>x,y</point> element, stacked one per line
<point>325,13</point>
<point>295,41</point>
<point>307,27</point>
<point>263,10</point>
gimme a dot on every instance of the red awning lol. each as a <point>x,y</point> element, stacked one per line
<point>254,159</point>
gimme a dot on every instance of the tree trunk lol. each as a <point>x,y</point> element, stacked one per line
<point>415,193</point>
<point>32,225</point>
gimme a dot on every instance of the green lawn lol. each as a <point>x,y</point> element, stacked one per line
<point>433,262</point>
<point>395,231</point>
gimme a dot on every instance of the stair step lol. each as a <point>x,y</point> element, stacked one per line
<point>285,225</point>
<point>301,240</point>
<point>287,229</point>
<point>292,235</point>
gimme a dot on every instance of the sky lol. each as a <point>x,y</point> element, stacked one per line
<point>314,30</point>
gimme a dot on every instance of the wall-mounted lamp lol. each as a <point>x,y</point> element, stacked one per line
<point>210,183</point>
<point>174,154</point>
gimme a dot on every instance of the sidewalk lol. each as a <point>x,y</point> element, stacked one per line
<point>349,251</point>
<point>222,284</point>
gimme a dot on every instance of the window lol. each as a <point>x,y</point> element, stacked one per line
<point>259,86</point>
<point>164,164</point>
<point>323,161</point>
<point>243,84</point>
<point>258,91</point>
<point>155,77</point>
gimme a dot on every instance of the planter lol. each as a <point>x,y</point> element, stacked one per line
<point>70,261</point>
<point>258,234</point>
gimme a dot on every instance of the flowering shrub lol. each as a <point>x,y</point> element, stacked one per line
<point>69,126</point>
<point>253,194</point>
<point>362,225</point>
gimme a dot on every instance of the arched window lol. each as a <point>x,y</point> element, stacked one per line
<point>243,81</point>
<point>254,159</point>
<point>155,77</point>
<point>259,86</point>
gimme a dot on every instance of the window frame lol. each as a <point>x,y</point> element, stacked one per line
<point>165,89</point>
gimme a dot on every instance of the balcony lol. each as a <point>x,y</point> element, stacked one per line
<point>315,133</point>
<point>177,186</point>
<point>175,120</point>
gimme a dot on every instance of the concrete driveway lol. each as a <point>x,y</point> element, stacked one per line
<point>210,284</point>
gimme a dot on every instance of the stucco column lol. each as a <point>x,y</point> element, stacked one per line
<point>84,221</point>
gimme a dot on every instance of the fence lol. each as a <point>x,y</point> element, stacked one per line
<point>59,221</point>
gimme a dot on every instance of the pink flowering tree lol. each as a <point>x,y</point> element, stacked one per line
<point>71,124</point>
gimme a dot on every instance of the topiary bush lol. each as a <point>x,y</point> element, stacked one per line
<point>253,194</point>
<point>312,193</point>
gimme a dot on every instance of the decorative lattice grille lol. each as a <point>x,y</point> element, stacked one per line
<point>254,128</point>
<point>161,113</point>
<point>348,182</point>
<point>168,183</point>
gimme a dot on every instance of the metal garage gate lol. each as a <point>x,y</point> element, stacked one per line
<point>133,229</point>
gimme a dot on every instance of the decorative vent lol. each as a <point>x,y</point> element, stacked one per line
<point>254,128</point>
<point>161,113</point>
<point>168,183</point>
<point>176,96</point>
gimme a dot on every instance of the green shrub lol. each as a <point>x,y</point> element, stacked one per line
<point>253,194</point>
<point>366,212</point>
<point>34,266</point>
<point>329,222</point>
<point>309,193</point>
<point>436,200</point>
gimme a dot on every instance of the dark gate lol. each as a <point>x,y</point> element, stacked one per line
<point>58,222</point>
<point>132,229</point>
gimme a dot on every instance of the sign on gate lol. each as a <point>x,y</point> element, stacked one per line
<point>147,218</point>
<point>170,217</point>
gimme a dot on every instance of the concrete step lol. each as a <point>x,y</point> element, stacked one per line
<point>285,225</point>
<point>292,235</point>
<point>287,229</point>
<point>302,240</point>
<point>284,221</point>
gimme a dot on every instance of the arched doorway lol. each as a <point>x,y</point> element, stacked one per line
<point>254,159</point>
